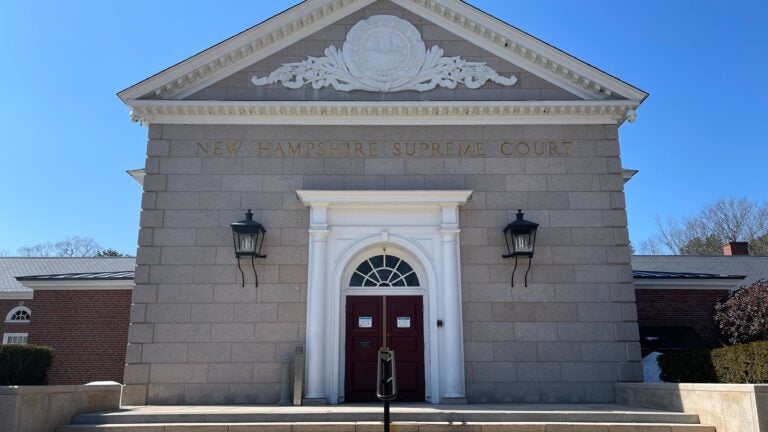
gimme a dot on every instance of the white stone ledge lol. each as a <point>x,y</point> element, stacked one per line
<point>44,408</point>
<point>728,407</point>
<point>749,388</point>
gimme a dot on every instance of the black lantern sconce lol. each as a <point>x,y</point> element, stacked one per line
<point>249,237</point>
<point>521,239</point>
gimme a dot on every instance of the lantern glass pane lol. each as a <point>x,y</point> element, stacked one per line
<point>246,243</point>
<point>522,242</point>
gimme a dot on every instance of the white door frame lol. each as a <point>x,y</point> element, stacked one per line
<point>374,247</point>
<point>420,225</point>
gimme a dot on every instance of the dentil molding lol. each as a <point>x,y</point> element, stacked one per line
<point>384,53</point>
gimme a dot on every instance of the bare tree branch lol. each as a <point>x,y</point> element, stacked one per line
<point>38,250</point>
<point>77,247</point>
<point>723,221</point>
<point>69,247</point>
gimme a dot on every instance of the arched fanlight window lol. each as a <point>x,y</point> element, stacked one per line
<point>384,271</point>
<point>19,314</point>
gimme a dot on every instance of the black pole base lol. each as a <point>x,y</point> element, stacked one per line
<point>386,416</point>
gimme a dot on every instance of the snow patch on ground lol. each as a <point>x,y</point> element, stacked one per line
<point>651,369</point>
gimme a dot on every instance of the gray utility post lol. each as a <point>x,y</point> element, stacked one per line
<point>285,382</point>
<point>298,375</point>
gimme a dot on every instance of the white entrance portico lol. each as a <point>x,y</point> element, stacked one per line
<point>422,226</point>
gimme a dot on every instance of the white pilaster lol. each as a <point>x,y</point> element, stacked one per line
<point>426,225</point>
<point>316,304</point>
<point>450,295</point>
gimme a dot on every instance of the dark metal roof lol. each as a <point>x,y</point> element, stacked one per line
<point>753,267</point>
<point>126,275</point>
<point>13,267</point>
<point>646,274</point>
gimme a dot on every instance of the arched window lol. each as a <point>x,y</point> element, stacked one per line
<point>19,314</point>
<point>384,271</point>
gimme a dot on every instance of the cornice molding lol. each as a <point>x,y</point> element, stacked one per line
<point>689,284</point>
<point>262,40</point>
<point>78,285</point>
<point>248,47</point>
<point>382,113</point>
<point>16,295</point>
<point>521,48</point>
<point>368,198</point>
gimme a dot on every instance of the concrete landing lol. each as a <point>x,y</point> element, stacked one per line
<point>414,412</point>
<point>405,417</point>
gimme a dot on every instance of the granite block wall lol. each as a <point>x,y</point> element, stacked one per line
<point>198,336</point>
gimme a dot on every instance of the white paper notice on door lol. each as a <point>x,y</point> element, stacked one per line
<point>403,322</point>
<point>364,322</point>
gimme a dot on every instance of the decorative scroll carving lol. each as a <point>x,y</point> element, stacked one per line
<point>386,54</point>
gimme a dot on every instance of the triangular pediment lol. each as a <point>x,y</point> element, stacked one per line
<point>499,63</point>
<point>342,62</point>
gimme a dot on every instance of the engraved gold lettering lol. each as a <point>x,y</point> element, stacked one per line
<point>294,149</point>
<point>233,147</point>
<point>265,147</point>
<point>396,149</point>
<point>553,149</point>
<point>410,149</point>
<point>217,148</point>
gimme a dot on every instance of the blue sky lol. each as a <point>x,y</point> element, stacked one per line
<point>68,140</point>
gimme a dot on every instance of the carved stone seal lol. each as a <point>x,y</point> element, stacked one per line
<point>384,53</point>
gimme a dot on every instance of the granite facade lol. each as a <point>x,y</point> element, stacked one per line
<point>198,336</point>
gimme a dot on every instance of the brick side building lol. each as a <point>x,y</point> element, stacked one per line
<point>84,316</point>
<point>676,295</point>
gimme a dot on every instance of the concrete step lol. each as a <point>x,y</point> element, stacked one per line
<point>396,427</point>
<point>414,413</point>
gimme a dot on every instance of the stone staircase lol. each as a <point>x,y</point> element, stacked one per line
<point>405,417</point>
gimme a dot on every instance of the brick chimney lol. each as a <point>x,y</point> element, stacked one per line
<point>736,248</point>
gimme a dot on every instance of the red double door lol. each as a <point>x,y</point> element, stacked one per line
<point>384,321</point>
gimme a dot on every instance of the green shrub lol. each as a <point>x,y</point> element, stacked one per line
<point>24,364</point>
<point>739,364</point>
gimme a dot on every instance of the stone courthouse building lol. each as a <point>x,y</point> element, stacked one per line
<point>384,146</point>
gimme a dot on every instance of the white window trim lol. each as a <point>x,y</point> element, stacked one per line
<point>7,336</point>
<point>13,311</point>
